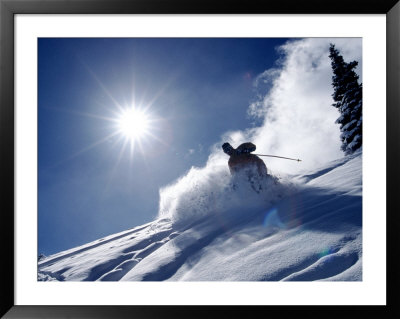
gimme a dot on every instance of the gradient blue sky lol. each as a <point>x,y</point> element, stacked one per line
<point>89,186</point>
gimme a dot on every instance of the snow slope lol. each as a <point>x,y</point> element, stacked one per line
<point>304,228</point>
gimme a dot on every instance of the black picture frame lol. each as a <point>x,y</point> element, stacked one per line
<point>8,8</point>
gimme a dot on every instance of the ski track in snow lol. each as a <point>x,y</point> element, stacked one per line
<point>312,231</point>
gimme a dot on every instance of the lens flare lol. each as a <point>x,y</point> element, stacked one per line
<point>272,219</point>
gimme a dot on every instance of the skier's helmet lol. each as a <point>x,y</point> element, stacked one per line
<point>228,149</point>
<point>246,148</point>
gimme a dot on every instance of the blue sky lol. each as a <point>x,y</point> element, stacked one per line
<point>194,90</point>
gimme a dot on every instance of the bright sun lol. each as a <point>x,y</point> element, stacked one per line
<point>133,124</point>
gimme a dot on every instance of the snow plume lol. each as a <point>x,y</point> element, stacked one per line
<point>212,191</point>
<point>298,120</point>
<point>297,112</point>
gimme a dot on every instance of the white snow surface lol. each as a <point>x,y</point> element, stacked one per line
<point>305,227</point>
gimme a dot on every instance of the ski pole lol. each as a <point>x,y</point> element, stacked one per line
<point>293,159</point>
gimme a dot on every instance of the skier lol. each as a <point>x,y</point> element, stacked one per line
<point>242,162</point>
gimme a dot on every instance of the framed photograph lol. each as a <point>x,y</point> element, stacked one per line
<point>192,159</point>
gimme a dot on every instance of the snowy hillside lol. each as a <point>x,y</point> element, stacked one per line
<point>305,227</point>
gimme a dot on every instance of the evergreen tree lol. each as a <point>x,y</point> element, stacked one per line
<point>348,100</point>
